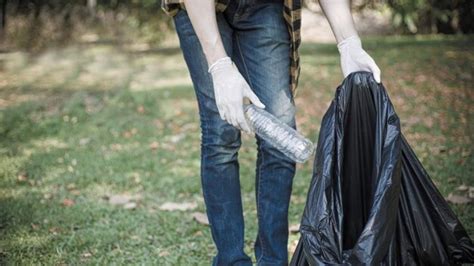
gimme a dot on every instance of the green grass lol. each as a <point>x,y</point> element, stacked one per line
<point>89,121</point>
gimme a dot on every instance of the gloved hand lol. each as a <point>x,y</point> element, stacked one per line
<point>354,58</point>
<point>230,88</point>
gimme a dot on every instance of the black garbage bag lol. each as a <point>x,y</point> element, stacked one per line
<point>370,201</point>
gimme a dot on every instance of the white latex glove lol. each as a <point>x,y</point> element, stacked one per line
<point>354,58</point>
<point>230,89</point>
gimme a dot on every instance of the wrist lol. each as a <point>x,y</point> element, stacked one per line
<point>214,54</point>
<point>351,41</point>
<point>219,63</point>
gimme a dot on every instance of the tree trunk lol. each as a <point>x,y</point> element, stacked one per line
<point>466,13</point>
<point>3,19</point>
<point>92,4</point>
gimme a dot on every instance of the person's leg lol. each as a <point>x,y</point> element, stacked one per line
<point>262,53</point>
<point>219,149</point>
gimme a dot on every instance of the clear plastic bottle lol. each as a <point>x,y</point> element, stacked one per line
<point>280,135</point>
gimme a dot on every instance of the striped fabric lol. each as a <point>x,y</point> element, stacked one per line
<point>292,15</point>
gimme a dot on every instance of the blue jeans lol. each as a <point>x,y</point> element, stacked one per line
<point>255,36</point>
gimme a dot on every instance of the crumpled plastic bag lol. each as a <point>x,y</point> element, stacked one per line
<point>370,201</point>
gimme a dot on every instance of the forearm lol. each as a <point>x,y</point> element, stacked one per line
<point>203,18</point>
<point>338,13</point>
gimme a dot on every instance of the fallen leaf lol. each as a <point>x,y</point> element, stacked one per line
<point>130,205</point>
<point>163,253</point>
<point>116,147</point>
<point>177,138</point>
<point>22,177</point>
<point>295,228</point>
<point>130,133</point>
<point>175,206</point>
<point>34,226</point>
<point>200,218</point>
<point>458,199</point>
<point>462,188</point>
<point>68,202</point>
<point>119,199</point>
<point>54,230</point>
<point>154,145</point>
<point>86,255</point>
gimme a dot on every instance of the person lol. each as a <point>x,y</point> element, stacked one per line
<point>249,49</point>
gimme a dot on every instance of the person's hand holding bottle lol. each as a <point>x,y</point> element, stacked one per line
<point>230,87</point>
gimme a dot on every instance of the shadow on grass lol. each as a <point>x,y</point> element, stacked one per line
<point>34,119</point>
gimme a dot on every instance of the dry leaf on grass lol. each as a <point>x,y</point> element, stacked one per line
<point>198,233</point>
<point>154,145</point>
<point>22,177</point>
<point>86,255</point>
<point>68,202</point>
<point>119,199</point>
<point>130,205</point>
<point>458,199</point>
<point>177,138</point>
<point>124,200</point>
<point>54,230</point>
<point>462,188</point>
<point>163,253</point>
<point>176,206</point>
<point>294,228</point>
<point>141,109</point>
<point>201,218</point>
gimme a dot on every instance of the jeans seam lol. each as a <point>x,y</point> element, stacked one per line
<point>243,62</point>
<point>259,209</point>
<point>203,151</point>
<point>261,152</point>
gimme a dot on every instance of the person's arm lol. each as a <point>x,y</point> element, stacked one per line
<point>353,56</point>
<point>203,18</point>
<point>229,86</point>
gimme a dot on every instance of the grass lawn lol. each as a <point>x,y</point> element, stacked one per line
<point>86,124</point>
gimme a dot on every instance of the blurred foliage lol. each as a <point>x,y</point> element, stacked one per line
<point>433,16</point>
<point>422,16</point>
<point>35,24</point>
